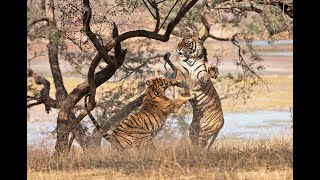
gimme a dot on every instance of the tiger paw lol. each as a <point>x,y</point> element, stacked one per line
<point>173,82</point>
<point>213,71</point>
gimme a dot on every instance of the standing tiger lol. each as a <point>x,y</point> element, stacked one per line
<point>139,128</point>
<point>193,74</point>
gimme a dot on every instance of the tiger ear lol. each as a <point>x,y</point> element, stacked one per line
<point>147,82</point>
<point>197,38</point>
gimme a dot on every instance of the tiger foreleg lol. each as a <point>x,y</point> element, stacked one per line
<point>183,99</point>
<point>182,84</point>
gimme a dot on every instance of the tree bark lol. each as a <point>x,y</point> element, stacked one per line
<point>81,90</point>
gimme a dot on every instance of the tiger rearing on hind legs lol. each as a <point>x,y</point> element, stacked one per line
<point>193,74</point>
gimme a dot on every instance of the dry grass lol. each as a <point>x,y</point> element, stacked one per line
<point>228,159</point>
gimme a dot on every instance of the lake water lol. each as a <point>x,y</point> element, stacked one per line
<point>279,42</point>
<point>277,45</point>
<point>253,125</point>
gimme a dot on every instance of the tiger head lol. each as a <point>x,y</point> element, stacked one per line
<point>157,86</point>
<point>190,47</point>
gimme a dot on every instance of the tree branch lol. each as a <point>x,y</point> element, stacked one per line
<point>44,93</point>
<point>166,58</point>
<point>285,6</point>
<point>35,22</point>
<point>101,50</point>
<point>160,1</point>
<point>149,9</point>
<point>244,64</point>
<point>165,19</point>
<point>33,104</point>
<point>156,29</point>
<point>207,31</point>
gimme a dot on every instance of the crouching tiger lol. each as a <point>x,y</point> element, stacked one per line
<point>193,74</point>
<point>138,129</point>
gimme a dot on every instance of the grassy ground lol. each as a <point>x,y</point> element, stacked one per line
<point>228,159</point>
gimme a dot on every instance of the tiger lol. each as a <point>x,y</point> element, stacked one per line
<point>138,129</point>
<point>192,73</point>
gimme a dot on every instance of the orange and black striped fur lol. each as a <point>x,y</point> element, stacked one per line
<point>138,129</point>
<point>194,75</point>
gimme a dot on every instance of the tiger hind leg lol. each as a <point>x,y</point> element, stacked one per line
<point>146,144</point>
<point>194,132</point>
<point>213,137</point>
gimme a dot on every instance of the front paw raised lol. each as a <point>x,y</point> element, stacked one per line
<point>174,82</point>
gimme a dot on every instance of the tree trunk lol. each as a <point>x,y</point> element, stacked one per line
<point>81,90</point>
<point>61,92</point>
